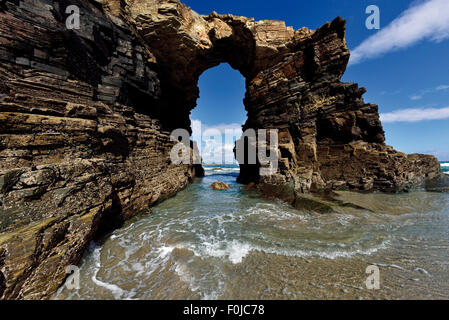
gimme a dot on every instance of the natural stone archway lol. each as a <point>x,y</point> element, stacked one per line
<point>329,137</point>
<point>186,44</point>
<point>86,117</point>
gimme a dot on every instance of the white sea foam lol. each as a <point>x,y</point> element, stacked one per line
<point>183,272</point>
<point>327,254</point>
<point>235,251</point>
<point>116,291</point>
<point>138,267</point>
<point>165,250</point>
<point>221,170</point>
<point>273,212</point>
<point>200,285</point>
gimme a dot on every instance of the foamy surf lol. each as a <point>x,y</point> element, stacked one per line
<point>235,252</point>
<point>221,168</point>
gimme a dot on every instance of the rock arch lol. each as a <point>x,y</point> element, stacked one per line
<point>86,117</point>
<point>330,138</point>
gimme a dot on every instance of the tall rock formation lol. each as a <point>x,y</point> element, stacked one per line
<point>86,116</point>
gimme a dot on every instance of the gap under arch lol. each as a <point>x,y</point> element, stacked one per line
<point>218,117</point>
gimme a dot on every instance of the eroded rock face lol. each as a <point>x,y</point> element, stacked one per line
<point>81,146</point>
<point>86,116</point>
<point>329,138</point>
<point>186,44</point>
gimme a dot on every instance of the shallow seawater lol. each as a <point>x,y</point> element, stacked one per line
<point>233,244</point>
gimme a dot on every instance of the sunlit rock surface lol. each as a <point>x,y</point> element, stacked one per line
<point>219,186</point>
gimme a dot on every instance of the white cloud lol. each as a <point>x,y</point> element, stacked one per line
<point>218,152</point>
<point>198,126</point>
<point>442,87</point>
<point>421,93</point>
<point>415,115</point>
<point>217,141</point>
<point>426,20</point>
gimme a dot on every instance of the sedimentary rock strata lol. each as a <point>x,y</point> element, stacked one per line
<point>81,145</point>
<point>86,116</point>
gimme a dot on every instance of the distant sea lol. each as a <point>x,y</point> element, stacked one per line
<point>231,167</point>
<point>445,166</point>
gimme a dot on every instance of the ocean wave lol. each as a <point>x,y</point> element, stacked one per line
<point>445,167</point>
<point>224,243</point>
<point>325,254</point>
<point>222,169</point>
<point>235,251</point>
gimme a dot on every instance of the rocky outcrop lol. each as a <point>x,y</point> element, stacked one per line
<point>86,116</point>
<point>81,144</point>
<point>328,137</point>
<point>218,185</point>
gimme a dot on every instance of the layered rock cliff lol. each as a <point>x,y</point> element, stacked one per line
<point>86,116</point>
<point>81,144</point>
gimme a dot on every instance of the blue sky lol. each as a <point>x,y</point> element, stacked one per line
<point>404,65</point>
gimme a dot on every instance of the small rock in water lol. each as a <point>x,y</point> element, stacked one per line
<point>218,185</point>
